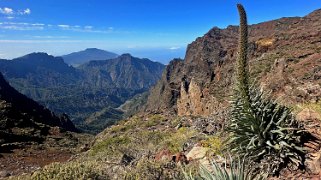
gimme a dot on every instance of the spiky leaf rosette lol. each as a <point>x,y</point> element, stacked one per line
<point>229,169</point>
<point>266,132</point>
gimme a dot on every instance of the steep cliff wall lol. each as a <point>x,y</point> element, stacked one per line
<point>285,57</point>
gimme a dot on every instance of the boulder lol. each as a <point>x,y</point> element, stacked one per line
<point>4,174</point>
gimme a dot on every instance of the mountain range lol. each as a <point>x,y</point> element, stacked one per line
<point>82,91</point>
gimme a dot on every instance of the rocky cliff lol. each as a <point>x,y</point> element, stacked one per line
<point>285,58</point>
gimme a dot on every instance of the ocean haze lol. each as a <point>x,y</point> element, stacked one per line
<point>162,55</point>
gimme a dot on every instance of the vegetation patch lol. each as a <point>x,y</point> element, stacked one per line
<point>315,106</point>
<point>265,42</point>
<point>147,169</point>
<point>176,140</point>
<point>110,145</point>
<point>72,170</point>
<point>154,120</point>
<point>214,143</point>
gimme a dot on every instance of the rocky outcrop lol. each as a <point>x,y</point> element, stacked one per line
<point>195,101</point>
<point>284,59</point>
<point>166,91</point>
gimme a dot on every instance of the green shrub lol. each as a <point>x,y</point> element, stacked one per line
<point>71,170</point>
<point>154,120</point>
<point>147,169</point>
<point>214,144</point>
<point>175,121</point>
<point>119,128</point>
<point>174,143</point>
<point>110,145</point>
<point>152,137</point>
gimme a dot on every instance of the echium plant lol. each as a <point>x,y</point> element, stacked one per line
<point>261,129</point>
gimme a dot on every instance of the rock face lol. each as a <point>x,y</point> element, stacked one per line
<point>284,58</point>
<point>23,120</point>
<point>166,91</point>
<point>195,101</point>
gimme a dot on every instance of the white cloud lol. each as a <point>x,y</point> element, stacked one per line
<point>174,48</point>
<point>70,27</point>
<point>39,41</point>
<point>6,11</point>
<point>88,29</point>
<point>49,37</point>
<point>38,24</point>
<point>21,26</point>
<point>11,13</point>
<point>27,11</point>
<point>16,23</point>
<point>24,12</point>
<point>64,26</point>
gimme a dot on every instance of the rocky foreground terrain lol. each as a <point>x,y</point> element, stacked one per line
<point>32,136</point>
<point>184,121</point>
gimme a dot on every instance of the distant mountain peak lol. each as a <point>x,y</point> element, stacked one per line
<point>126,55</point>
<point>39,57</point>
<point>89,54</point>
<point>36,55</point>
<point>93,49</point>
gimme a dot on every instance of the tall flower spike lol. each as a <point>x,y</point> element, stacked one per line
<point>242,62</point>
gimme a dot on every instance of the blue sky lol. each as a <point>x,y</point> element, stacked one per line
<point>156,29</point>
